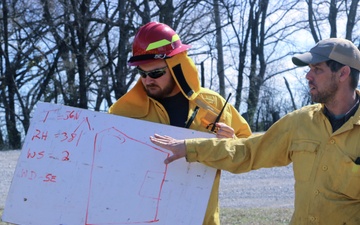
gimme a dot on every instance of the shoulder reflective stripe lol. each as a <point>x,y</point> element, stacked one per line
<point>163,42</point>
<point>201,102</point>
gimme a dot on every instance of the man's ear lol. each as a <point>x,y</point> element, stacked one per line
<point>344,73</point>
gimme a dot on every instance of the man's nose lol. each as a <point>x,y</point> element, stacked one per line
<point>308,75</point>
<point>148,80</point>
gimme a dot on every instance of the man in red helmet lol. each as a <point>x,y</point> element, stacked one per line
<point>169,92</point>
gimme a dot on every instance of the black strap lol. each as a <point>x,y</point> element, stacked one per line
<point>182,81</point>
<point>192,117</point>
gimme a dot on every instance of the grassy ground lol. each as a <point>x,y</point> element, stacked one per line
<point>267,216</point>
<point>262,216</point>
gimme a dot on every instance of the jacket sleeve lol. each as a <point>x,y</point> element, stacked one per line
<point>244,154</point>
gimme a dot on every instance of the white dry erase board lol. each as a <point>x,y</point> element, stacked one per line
<point>79,167</point>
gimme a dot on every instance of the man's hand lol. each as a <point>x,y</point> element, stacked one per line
<point>224,131</point>
<point>177,147</point>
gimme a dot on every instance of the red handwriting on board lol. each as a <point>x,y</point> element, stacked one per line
<point>154,177</point>
<point>66,157</point>
<point>69,115</point>
<point>32,175</point>
<point>76,134</point>
<point>41,154</point>
<point>65,136</point>
<point>40,135</point>
<point>34,154</point>
<point>50,178</point>
<point>74,115</point>
<point>47,114</point>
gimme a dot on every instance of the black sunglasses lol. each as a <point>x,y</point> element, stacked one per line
<point>154,74</point>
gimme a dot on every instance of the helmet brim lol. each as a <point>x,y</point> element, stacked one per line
<point>141,62</point>
<point>178,50</point>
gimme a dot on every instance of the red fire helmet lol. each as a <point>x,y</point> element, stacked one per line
<point>154,41</point>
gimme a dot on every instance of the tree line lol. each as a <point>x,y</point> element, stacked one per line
<point>75,52</point>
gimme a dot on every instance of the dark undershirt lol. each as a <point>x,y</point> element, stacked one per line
<point>337,121</point>
<point>177,107</point>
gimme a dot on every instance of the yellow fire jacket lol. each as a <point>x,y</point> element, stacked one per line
<point>327,179</point>
<point>136,104</point>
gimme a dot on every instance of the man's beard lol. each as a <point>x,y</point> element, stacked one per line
<point>327,95</point>
<point>160,93</point>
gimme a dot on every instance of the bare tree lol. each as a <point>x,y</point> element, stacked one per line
<point>8,87</point>
<point>115,76</point>
<point>257,41</point>
<point>351,12</point>
<point>334,11</point>
<point>75,52</point>
<point>238,23</point>
<point>257,18</point>
<point>21,58</point>
<point>219,48</point>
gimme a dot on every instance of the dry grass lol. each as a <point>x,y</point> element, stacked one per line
<point>259,216</point>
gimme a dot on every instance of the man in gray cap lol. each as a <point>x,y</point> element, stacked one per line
<point>321,140</point>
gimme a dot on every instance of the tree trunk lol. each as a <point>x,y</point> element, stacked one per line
<point>311,21</point>
<point>9,82</point>
<point>219,48</point>
<point>332,18</point>
<point>290,92</point>
<point>351,19</point>
<point>257,59</point>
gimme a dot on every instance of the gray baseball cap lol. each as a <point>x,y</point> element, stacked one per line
<point>337,49</point>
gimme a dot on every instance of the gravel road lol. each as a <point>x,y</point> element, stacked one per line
<point>272,187</point>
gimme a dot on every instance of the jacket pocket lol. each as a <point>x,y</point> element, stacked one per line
<point>347,180</point>
<point>303,154</point>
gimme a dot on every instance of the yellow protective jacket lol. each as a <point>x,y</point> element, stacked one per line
<point>327,179</point>
<point>136,104</point>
